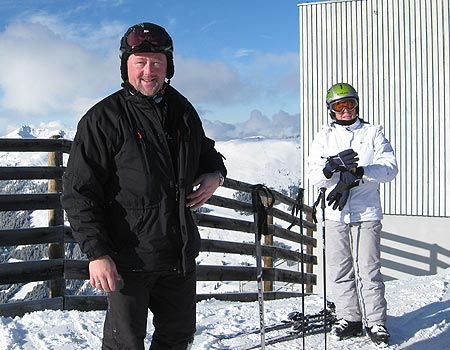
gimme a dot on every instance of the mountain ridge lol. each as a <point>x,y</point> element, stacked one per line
<point>254,159</point>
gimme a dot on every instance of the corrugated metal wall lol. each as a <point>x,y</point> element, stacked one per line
<point>396,54</point>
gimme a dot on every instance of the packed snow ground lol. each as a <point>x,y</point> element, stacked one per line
<point>418,309</point>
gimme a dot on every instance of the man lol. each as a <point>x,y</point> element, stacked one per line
<point>128,193</point>
<point>353,157</point>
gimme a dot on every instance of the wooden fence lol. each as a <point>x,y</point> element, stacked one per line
<point>57,269</point>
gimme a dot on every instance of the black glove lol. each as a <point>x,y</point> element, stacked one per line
<point>344,160</point>
<point>359,172</point>
<point>339,195</point>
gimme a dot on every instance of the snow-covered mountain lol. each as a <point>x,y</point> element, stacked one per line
<point>275,162</point>
<point>32,132</point>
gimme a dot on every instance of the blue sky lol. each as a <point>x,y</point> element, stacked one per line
<point>237,61</point>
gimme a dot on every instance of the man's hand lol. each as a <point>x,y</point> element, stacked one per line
<point>103,274</point>
<point>207,183</point>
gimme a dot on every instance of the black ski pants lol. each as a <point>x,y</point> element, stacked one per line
<point>170,296</point>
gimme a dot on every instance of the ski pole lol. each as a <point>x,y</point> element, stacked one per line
<point>323,206</point>
<point>259,280</point>
<point>298,209</point>
<point>260,218</point>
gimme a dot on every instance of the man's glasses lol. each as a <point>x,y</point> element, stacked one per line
<point>139,36</point>
<point>339,106</point>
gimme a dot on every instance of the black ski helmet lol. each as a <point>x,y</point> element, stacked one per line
<point>146,37</point>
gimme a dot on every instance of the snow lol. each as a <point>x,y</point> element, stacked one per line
<point>418,319</point>
<point>25,289</point>
<point>261,159</point>
<point>39,218</point>
<point>418,307</point>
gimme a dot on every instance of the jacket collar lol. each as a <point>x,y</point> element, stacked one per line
<point>356,125</point>
<point>133,92</point>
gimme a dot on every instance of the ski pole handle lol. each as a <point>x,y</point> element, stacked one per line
<point>322,195</point>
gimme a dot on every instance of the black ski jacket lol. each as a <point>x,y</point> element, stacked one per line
<point>124,193</point>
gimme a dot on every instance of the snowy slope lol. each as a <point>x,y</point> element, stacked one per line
<point>418,311</point>
<point>419,308</point>
<point>275,162</point>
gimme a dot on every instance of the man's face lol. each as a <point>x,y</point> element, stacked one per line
<point>147,71</point>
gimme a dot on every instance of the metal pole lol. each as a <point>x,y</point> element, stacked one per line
<point>261,228</point>
<point>302,269</point>
<point>259,280</point>
<point>324,271</point>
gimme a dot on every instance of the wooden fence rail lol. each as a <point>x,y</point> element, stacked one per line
<point>58,269</point>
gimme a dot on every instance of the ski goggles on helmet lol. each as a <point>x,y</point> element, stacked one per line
<point>339,106</point>
<point>139,36</point>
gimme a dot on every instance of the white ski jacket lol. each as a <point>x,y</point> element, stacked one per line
<point>375,155</point>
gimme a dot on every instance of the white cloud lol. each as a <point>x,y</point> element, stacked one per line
<point>280,125</point>
<point>258,124</point>
<point>215,83</point>
<point>220,83</point>
<point>278,73</point>
<point>97,36</point>
<point>44,73</point>
<point>208,25</point>
<point>219,130</point>
<point>243,52</point>
<point>52,70</point>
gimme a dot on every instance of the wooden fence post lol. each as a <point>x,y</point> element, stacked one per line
<point>268,260</point>
<point>56,218</point>
<point>309,250</point>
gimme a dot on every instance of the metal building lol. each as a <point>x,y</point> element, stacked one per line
<point>396,54</point>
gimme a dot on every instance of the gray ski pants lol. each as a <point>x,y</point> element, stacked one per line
<point>353,261</point>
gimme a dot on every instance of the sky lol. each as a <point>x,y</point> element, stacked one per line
<point>236,61</point>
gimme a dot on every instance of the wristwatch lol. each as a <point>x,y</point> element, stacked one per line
<point>221,177</point>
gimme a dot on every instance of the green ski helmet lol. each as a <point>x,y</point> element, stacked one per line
<point>338,92</point>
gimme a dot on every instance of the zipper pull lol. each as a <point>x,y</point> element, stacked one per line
<point>177,193</point>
